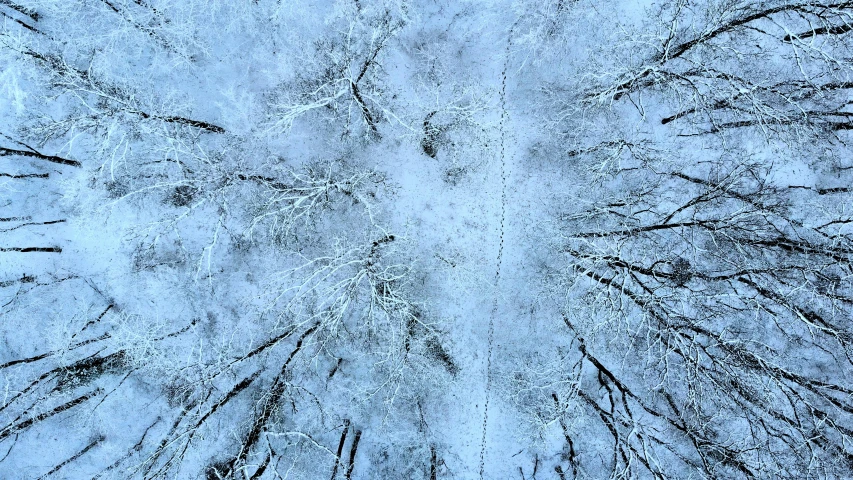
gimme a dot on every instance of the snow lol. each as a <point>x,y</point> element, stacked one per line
<point>438,227</point>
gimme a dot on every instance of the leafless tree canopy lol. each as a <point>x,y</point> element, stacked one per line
<point>394,239</point>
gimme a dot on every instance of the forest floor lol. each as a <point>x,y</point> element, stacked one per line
<point>475,238</point>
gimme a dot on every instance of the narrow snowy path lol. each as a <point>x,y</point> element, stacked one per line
<point>473,235</point>
<point>502,170</point>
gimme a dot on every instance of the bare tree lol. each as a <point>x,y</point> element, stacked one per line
<point>721,281</point>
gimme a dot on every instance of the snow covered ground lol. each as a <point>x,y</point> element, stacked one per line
<point>434,239</point>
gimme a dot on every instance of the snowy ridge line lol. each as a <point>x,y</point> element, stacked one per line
<point>499,261</point>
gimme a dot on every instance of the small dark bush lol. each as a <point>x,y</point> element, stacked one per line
<point>117,189</point>
<point>429,142</point>
<point>454,175</point>
<point>182,195</point>
<point>682,271</point>
<point>436,350</point>
<point>90,369</point>
<point>177,393</point>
